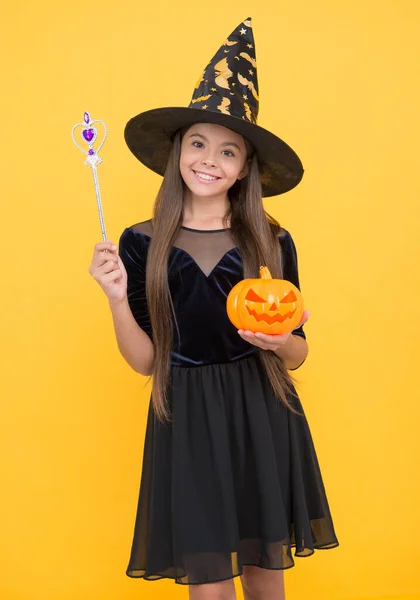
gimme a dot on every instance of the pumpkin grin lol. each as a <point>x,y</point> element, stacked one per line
<point>270,319</point>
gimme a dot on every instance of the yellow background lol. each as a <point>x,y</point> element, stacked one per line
<point>339,82</point>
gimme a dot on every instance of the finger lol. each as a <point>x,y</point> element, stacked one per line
<point>111,277</point>
<point>105,266</point>
<point>304,319</point>
<point>102,258</point>
<point>272,342</point>
<point>261,337</point>
<point>272,338</point>
<point>251,338</point>
<point>120,262</point>
<point>99,249</point>
<point>246,333</point>
<point>101,246</point>
<point>109,265</point>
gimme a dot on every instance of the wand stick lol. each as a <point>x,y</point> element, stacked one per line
<point>89,135</point>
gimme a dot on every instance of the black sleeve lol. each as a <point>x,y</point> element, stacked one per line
<point>290,270</point>
<point>133,253</point>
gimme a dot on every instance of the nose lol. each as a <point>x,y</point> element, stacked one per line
<point>209,160</point>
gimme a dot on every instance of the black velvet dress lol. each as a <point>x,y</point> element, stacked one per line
<point>234,479</point>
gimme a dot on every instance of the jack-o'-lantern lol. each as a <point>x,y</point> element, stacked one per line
<point>266,305</point>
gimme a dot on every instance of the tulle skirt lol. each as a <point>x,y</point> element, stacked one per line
<point>234,480</point>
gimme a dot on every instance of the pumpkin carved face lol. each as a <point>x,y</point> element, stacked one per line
<point>267,305</point>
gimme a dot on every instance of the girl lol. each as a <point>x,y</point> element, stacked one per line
<point>230,479</point>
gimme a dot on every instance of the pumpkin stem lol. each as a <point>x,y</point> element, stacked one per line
<point>265,273</point>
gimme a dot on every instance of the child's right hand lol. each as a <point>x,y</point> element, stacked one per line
<point>108,270</point>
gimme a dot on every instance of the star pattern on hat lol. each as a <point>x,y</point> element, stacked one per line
<point>225,84</point>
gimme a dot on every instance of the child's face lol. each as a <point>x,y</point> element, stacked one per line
<point>212,159</point>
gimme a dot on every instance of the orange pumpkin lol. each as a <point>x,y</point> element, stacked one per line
<point>267,305</point>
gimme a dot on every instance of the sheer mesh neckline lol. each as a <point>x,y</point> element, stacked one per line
<point>204,230</point>
<point>207,251</point>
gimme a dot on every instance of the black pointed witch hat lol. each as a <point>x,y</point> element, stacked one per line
<point>225,94</point>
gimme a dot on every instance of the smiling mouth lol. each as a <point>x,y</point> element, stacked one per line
<point>204,177</point>
<point>270,320</point>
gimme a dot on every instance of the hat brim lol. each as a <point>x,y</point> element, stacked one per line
<point>149,137</point>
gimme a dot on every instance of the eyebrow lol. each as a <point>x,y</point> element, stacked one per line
<point>203,137</point>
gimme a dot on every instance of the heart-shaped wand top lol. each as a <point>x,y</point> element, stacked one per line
<point>89,135</point>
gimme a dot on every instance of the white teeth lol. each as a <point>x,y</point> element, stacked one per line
<point>207,177</point>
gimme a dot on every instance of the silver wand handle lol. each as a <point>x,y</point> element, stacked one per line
<point>99,203</point>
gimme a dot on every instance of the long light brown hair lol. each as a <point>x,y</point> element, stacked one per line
<point>255,233</point>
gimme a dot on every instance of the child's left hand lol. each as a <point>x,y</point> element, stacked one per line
<point>270,342</point>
